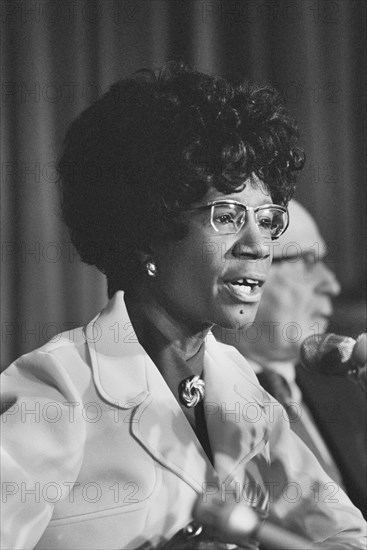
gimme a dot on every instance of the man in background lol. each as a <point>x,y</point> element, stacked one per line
<point>327,412</point>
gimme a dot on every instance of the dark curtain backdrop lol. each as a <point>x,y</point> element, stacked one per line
<point>58,56</point>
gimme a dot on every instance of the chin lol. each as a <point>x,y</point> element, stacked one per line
<point>239,319</point>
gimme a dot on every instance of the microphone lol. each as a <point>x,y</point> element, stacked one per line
<point>239,524</point>
<point>336,355</point>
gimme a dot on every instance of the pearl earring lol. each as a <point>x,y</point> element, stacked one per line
<point>151,269</point>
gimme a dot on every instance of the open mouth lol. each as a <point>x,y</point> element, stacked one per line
<point>245,287</point>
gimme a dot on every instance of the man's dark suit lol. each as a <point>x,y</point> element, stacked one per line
<point>338,407</point>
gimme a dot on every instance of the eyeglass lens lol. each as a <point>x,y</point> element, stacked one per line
<point>230,218</point>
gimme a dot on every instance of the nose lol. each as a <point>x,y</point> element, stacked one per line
<point>328,283</point>
<point>250,243</point>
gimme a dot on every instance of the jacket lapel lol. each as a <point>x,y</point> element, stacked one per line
<point>165,432</point>
<point>235,412</point>
<point>127,378</point>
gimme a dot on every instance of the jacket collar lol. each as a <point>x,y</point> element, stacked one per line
<point>119,362</point>
<point>126,377</point>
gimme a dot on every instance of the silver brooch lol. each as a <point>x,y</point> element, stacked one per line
<point>191,391</point>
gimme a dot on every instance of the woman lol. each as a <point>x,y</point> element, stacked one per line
<point>174,186</point>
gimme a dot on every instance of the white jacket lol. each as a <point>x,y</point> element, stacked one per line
<point>97,453</point>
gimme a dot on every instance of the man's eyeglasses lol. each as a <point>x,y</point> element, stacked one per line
<point>227,217</point>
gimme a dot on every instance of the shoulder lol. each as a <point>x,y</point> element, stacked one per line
<point>61,364</point>
<point>71,337</point>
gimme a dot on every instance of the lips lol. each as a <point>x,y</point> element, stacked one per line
<point>247,288</point>
<point>323,315</point>
<point>323,308</point>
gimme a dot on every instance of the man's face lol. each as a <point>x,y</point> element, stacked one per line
<point>297,298</point>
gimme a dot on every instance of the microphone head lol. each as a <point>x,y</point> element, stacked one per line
<point>327,354</point>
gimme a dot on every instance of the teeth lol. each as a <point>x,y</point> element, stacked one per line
<point>242,290</point>
<point>245,289</point>
<point>247,282</point>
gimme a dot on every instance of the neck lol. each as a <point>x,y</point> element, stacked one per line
<point>142,304</point>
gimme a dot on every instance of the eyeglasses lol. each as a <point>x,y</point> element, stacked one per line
<point>227,217</point>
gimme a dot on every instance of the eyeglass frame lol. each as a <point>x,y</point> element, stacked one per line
<point>212,204</point>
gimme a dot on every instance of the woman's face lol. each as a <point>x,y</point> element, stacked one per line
<point>212,278</point>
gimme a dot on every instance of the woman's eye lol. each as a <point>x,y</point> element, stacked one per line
<point>266,223</point>
<point>225,218</point>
